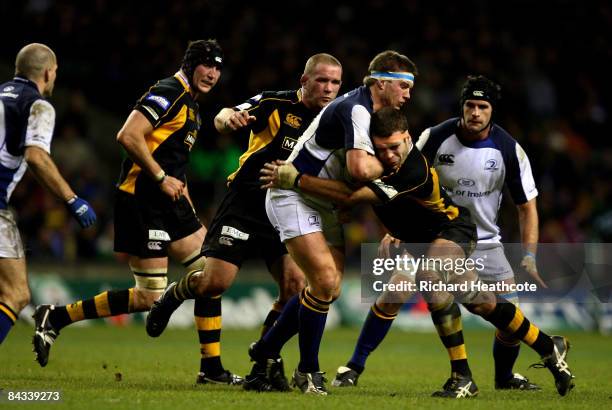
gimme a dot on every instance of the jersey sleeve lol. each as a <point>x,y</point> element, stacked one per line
<point>41,122</point>
<point>157,103</point>
<point>519,177</point>
<point>383,191</point>
<point>257,107</point>
<point>356,124</point>
<point>426,147</point>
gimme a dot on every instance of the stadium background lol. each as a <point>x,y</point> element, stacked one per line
<point>552,58</point>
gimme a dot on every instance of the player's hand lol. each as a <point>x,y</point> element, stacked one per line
<point>385,244</point>
<point>172,187</point>
<point>278,174</point>
<point>529,264</point>
<point>239,119</point>
<point>82,211</point>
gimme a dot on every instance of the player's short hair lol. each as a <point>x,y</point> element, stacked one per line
<point>321,58</point>
<point>206,52</point>
<point>386,121</point>
<point>33,59</point>
<point>389,61</point>
<point>479,87</point>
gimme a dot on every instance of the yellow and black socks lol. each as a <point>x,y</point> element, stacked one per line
<point>450,329</point>
<point>207,313</point>
<point>374,330</point>
<point>509,318</point>
<point>109,303</point>
<point>8,317</point>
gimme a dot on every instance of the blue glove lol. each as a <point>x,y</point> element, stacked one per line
<point>82,211</point>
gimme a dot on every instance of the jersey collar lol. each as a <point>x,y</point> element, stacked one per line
<point>183,80</point>
<point>26,81</point>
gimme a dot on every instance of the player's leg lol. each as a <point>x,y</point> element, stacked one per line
<point>301,227</point>
<point>446,316</point>
<point>507,317</point>
<point>139,232</point>
<point>290,280</point>
<point>316,259</point>
<point>505,352</point>
<point>269,374</point>
<point>375,328</point>
<point>14,290</point>
<point>207,310</point>
<point>150,278</point>
<point>495,268</point>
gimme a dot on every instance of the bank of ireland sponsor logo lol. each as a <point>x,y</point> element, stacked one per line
<point>466,182</point>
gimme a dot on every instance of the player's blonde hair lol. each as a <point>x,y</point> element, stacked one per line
<point>321,58</point>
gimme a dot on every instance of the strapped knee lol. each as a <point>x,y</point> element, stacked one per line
<point>195,261</point>
<point>152,279</point>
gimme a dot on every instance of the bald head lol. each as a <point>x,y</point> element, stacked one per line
<point>37,63</point>
<point>33,60</point>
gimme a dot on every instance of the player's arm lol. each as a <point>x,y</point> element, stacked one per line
<point>36,154</point>
<point>46,173</point>
<point>336,191</point>
<point>132,137</point>
<point>528,223</point>
<point>363,166</point>
<point>285,176</point>
<point>229,119</point>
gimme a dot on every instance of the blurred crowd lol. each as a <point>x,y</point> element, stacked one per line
<point>551,58</point>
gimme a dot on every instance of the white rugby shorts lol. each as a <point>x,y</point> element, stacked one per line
<point>292,216</point>
<point>496,265</point>
<point>10,240</point>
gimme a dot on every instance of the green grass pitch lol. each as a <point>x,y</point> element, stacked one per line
<point>159,374</point>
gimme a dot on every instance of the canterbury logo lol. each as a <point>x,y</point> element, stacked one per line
<point>446,158</point>
<point>293,121</point>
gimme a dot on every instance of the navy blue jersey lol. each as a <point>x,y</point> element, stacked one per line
<point>342,125</point>
<point>26,119</point>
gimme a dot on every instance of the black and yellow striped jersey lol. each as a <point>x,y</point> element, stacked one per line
<point>414,204</point>
<point>175,117</point>
<point>281,117</point>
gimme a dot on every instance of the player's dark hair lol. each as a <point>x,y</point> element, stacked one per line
<point>390,61</point>
<point>479,87</point>
<point>386,121</point>
<point>207,52</point>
